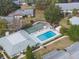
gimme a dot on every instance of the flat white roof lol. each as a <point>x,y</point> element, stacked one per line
<point>16,38</point>
<point>68,6</point>
<point>74,20</point>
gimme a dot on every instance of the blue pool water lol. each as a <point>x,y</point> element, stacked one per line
<point>46,35</point>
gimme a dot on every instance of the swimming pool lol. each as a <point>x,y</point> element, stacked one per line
<point>46,35</point>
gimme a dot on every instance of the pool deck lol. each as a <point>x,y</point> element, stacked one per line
<point>40,32</point>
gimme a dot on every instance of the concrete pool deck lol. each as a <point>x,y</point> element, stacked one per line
<point>35,35</point>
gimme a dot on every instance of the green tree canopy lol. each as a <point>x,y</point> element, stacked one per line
<point>42,4</point>
<point>3,27</point>
<point>29,54</point>
<point>64,1</point>
<point>6,7</point>
<point>72,32</point>
<point>74,12</point>
<point>61,1</point>
<point>53,13</point>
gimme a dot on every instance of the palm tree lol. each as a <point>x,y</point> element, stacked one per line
<point>3,27</point>
<point>73,33</point>
<point>7,6</point>
<point>29,54</point>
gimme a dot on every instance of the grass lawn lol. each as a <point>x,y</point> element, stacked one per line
<point>64,23</point>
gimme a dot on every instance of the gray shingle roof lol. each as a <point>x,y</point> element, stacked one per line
<point>74,20</point>
<point>68,6</point>
<point>22,12</point>
<point>72,53</point>
<point>56,55</point>
<point>16,42</point>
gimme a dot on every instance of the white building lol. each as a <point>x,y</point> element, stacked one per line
<point>15,43</point>
<point>68,7</point>
<point>74,20</point>
<point>39,33</point>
